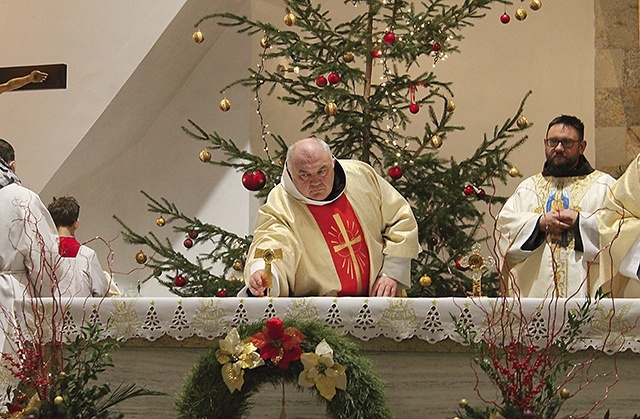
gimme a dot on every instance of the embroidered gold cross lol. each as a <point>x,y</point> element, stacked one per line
<point>269,255</point>
<point>348,244</point>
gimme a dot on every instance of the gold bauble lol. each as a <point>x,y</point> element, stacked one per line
<point>425,281</point>
<point>436,141</point>
<point>205,156</point>
<point>535,5</point>
<point>522,122</point>
<point>463,403</point>
<point>141,257</point>
<point>160,221</point>
<point>290,19</point>
<point>348,57</point>
<point>58,400</point>
<point>237,265</point>
<point>565,393</point>
<point>198,36</point>
<point>225,105</point>
<point>264,42</point>
<point>514,172</point>
<point>451,106</point>
<point>521,14</point>
<point>330,109</point>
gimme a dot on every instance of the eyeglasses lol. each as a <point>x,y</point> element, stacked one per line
<point>566,144</point>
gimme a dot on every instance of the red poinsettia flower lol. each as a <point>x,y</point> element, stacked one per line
<point>280,345</point>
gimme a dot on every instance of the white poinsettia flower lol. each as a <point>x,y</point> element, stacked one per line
<point>236,355</point>
<point>322,371</point>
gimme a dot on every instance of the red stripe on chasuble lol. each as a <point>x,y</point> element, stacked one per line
<point>343,234</point>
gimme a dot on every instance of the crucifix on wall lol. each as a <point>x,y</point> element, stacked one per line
<point>33,77</point>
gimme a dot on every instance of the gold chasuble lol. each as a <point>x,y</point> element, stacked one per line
<point>342,232</point>
<point>620,235</point>
<point>340,246</point>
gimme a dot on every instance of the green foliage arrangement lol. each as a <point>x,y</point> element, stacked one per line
<point>69,389</point>
<point>205,395</point>
<point>532,374</point>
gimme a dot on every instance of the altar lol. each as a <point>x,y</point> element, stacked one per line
<point>412,343</point>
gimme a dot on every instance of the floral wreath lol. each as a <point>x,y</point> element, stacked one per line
<point>304,353</point>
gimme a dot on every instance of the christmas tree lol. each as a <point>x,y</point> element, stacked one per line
<point>360,83</point>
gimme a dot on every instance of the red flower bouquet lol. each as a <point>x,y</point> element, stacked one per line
<point>280,345</point>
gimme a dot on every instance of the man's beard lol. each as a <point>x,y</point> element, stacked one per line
<point>559,169</point>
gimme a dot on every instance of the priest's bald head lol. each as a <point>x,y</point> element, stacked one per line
<point>311,166</point>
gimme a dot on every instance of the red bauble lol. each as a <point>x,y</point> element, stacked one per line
<point>434,241</point>
<point>334,78</point>
<point>188,243</point>
<point>414,108</point>
<point>480,193</point>
<point>21,398</point>
<point>376,53</point>
<point>193,234</point>
<point>505,18</point>
<point>436,47</point>
<point>460,267</point>
<point>179,281</point>
<point>321,81</point>
<point>221,293</point>
<point>254,180</point>
<point>469,190</point>
<point>389,38</point>
<point>395,172</point>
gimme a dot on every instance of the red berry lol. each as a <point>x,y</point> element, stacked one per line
<point>188,243</point>
<point>221,293</point>
<point>179,281</point>
<point>321,81</point>
<point>254,180</point>
<point>389,38</point>
<point>193,234</point>
<point>414,108</point>
<point>469,190</point>
<point>505,18</point>
<point>395,172</point>
<point>436,47</point>
<point>334,78</point>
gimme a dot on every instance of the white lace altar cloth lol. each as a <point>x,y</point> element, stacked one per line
<point>613,328</point>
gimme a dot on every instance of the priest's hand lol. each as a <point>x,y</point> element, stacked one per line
<point>255,283</point>
<point>556,222</point>
<point>384,287</point>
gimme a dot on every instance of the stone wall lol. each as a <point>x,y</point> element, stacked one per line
<point>617,84</point>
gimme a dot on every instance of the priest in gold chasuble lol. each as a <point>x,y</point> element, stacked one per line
<point>620,235</point>
<point>343,230</point>
<point>548,229</point>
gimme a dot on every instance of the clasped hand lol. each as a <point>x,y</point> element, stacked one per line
<point>556,222</point>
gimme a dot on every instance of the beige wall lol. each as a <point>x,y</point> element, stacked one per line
<point>103,141</point>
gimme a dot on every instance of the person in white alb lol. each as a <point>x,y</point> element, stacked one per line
<point>548,229</point>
